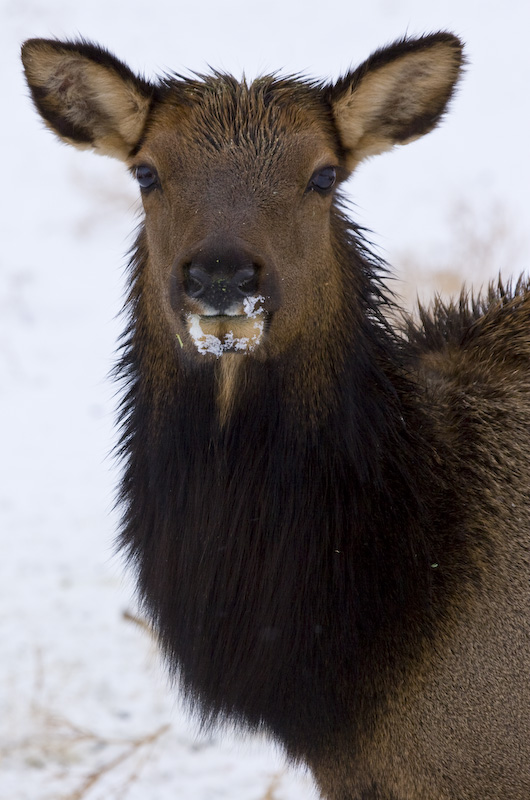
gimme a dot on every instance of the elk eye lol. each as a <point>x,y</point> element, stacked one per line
<point>146,177</point>
<point>323,180</point>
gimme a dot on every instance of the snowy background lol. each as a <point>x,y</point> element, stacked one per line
<point>85,711</point>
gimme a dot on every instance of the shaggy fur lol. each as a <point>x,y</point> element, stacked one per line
<point>316,545</point>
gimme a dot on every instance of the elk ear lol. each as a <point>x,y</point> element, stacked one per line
<point>86,96</point>
<point>397,95</point>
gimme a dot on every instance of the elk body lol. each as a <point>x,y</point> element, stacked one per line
<point>328,518</point>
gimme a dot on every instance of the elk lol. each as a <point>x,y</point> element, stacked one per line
<point>327,512</point>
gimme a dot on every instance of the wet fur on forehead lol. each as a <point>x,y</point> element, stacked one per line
<point>223,110</point>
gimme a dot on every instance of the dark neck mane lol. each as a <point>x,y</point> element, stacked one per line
<point>279,558</point>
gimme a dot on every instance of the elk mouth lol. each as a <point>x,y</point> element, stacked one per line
<point>229,333</point>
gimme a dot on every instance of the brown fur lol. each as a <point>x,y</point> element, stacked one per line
<point>329,521</point>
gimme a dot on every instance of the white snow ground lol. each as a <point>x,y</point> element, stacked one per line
<point>85,712</point>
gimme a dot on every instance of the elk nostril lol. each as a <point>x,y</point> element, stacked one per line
<point>246,281</point>
<point>196,282</point>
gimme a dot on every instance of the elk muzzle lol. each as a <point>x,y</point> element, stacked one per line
<point>223,296</point>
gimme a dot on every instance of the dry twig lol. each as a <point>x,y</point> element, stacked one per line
<point>97,775</point>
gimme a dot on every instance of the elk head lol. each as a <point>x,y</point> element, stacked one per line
<point>243,235</point>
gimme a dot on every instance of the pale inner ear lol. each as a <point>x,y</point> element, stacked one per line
<point>123,105</point>
<point>396,103</point>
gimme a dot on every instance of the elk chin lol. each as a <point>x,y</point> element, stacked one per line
<point>219,334</point>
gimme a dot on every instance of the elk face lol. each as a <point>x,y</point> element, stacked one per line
<point>241,231</point>
<point>238,195</point>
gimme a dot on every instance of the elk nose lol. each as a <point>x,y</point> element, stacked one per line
<point>220,282</point>
<point>242,284</point>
